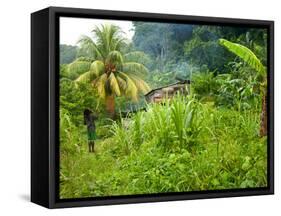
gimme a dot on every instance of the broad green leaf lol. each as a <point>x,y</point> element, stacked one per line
<point>246,54</point>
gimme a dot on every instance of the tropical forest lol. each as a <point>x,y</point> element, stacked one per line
<point>164,108</point>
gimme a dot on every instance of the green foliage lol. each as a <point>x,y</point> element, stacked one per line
<point>237,93</point>
<point>204,85</point>
<point>162,41</point>
<point>69,139</point>
<point>181,146</point>
<point>137,56</point>
<point>208,140</point>
<point>63,71</point>
<point>239,89</point>
<point>111,73</point>
<point>255,40</point>
<point>246,54</point>
<point>200,49</point>
<point>106,39</point>
<point>76,68</point>
<point>74,98</point>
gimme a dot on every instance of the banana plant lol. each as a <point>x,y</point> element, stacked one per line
<point>252,60</point>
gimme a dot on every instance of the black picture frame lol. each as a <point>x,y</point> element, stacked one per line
<point>45,105</point>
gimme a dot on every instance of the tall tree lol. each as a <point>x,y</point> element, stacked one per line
<point>162,41</point>
<point>113,73</point>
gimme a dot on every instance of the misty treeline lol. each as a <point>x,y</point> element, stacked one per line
<point>176,50</point>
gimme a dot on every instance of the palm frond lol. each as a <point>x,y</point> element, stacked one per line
<point>100,85</point>
<point>87,44</point>
<point>131,89</point>
<point>122,84</point>
<point>76,68</point>
<point>246,54</point>
<point>114,85</point>
<point>101,39</point>
<point>142,86</point>
<point>97,68</point>
<point>114,37</point>
<point>85,77</point>
<point>108,37</point>
<point>135,69</point>
<point>118,43</point>
<point>115,58</point>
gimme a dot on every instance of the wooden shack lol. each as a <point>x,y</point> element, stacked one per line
<point>157,95</point>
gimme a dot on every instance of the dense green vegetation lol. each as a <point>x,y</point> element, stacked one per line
<point>208,140</point>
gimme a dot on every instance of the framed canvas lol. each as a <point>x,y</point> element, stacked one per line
<point>138,107</point>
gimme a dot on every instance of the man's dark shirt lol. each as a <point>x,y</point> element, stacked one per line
<point>90,122</point>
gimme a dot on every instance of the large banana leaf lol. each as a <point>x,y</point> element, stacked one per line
<point>246,54</point>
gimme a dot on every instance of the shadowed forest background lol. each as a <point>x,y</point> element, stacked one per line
<point>213,137</point>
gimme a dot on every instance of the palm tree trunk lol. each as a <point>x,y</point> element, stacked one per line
<point>263,125</point>
<point>110,105</point>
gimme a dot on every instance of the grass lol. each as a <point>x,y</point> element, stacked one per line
<point>183,145</point>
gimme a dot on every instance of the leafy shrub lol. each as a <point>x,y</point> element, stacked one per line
<point>238,90</point>
<point>77,97</point>
<point>204,85</point>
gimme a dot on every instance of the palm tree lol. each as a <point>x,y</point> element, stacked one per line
<point>113,73</point>
<point>251,59</point>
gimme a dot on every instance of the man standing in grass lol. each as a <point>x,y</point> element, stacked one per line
<point>89,120</point>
